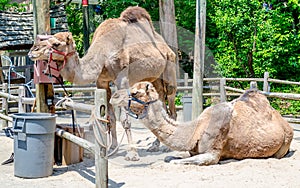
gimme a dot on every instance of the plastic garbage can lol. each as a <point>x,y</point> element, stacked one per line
<point>187,107</point>
<point>33,144</point>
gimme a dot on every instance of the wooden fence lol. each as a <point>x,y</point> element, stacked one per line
<point>217,89</point>
<point>98,148</point>
<point>222,91</point>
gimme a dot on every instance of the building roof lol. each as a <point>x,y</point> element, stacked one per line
<point>16,29</point>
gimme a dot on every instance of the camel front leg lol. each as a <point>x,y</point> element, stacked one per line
<point>132,154</point>
<point>200,159</point>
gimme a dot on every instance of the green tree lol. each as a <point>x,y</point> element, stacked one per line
<point>16,7</point>
<point>248,39</point>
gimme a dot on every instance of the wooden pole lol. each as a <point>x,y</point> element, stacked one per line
<point>44,92</point>
<point>253,85</point>
<point>21,94</point>
<point>222,90</point>
<point>101,163</point>
<point>76,140</point>
<point>266,83</point>
<point>168,27</point>
<point>186,83</point>
<point>199,57</point>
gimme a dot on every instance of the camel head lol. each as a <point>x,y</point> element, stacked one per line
<point>59,48</point>
<point>59,45</point>
<point>139,96</point>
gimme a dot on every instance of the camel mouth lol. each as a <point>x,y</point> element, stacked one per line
<point>33,57</point>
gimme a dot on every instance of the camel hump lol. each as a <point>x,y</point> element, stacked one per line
<point>134,14</point>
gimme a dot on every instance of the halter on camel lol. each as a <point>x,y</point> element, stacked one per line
<point>145,104</point>
<point>65,54</point>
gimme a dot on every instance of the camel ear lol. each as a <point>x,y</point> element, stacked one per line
<point>69,38</point>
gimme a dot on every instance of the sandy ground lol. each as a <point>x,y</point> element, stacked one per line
<point>151,171</point>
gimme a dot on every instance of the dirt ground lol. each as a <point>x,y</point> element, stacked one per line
<point>151,171</point>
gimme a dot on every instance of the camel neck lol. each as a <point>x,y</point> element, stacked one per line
<point>81,71</point>
<point>178,136</point>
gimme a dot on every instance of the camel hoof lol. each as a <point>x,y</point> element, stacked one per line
<point>132,156</point>
<point>165,149</point>
<point>153,148</point>
<point>171,159</point>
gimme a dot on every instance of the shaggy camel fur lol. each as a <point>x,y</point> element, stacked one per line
<point>125,49</point>
<point>247,127</point>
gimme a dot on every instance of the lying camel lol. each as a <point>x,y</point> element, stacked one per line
<point>125,48</point>
<point>247,127</point>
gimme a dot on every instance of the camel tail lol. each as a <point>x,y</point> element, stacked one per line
<point>134,14</point>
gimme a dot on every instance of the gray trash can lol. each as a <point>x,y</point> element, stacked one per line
<point>187,107</point>
<point>33,144</point>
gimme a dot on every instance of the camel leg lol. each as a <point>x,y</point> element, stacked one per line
<point>172,107</point>
<point>213,140</point>
<point>159,87</point>
<point>132,154</point>
<point>200,159</point>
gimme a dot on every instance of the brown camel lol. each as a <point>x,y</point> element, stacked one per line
<point>124,50</point>
<point>247,127</point>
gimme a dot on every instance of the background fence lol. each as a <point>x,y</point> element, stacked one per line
<point>18,98</point>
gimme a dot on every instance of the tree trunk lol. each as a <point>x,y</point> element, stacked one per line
<point>44,92</point>
<point>199,57</point>
<point>168,27</point>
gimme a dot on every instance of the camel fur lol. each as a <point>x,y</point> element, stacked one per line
<point>124,51</point>
<point>247,127</point>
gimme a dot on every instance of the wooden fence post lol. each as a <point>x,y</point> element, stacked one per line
<point>21,94</point>
<point>4,105</point>
<point>186,83</point>
<point>101,163</point>
<point>222,90</point>
<point>253,85</point>
<point>266,83</point>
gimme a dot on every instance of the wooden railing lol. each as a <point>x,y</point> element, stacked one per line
<point>220,90</point>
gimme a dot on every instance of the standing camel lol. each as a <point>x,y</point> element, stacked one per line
<point>124,51</point>
<point>247,127</point>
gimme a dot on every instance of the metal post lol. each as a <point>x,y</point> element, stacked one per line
<point>4,105</point>
<point>86,29</point>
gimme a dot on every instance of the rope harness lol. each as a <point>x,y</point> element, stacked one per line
<point>145,110</point>
<point>65,54</point>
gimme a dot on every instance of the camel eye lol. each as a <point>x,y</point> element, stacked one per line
<point>56,44</point>
<point>134,93</point>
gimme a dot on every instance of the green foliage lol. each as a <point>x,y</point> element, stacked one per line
<point>248,40</point>
<point>178,99</point>
<point>75,22</point>
<point>113,9</point>
<point>6,5</point>
<point>245,38</point>
<point>286,107</point>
